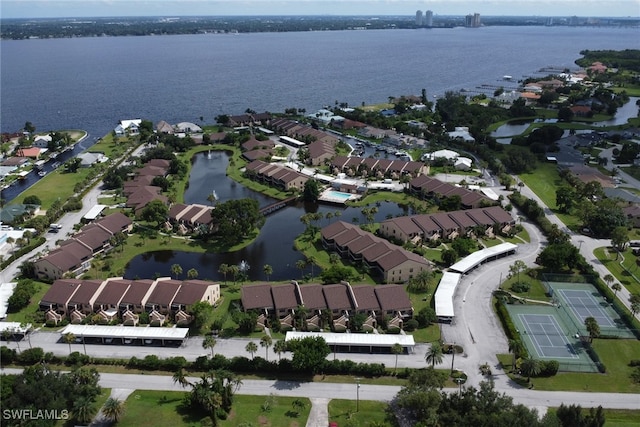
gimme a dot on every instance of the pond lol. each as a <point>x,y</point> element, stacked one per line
<point>274,245</point>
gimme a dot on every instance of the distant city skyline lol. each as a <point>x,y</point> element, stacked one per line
<point>116,8</point>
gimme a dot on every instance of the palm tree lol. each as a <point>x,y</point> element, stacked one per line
<point>279,347</point>
<point>334,258</point>
<point>530,367</point>
<point>251,347</point>
<point>609,279</point>
<point>268,270</point>
<point>266,341</point>
<point>113,409</point>
<point>192,273</point>
<point>592,327</point>
<point>180,377</point>
<point>515,347</point>
<point>311,260</point>
<point>224,270</point>
<point>176,270</point>
<point>616,287</point>
<point>234,270</point>
<point>434,354</point>
<point>396,349</point>
<point>209,342</point>
<point>69,338</point>
<point>83,410</point>
<point>301,264</point>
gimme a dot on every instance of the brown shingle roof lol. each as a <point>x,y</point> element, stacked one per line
<point>284,296</point>
<point>136,292</point>
<point>114,222</point>
<point>256,296</point>
<point>366,297</point>
<point>164,292</point>
<point>113,292</point>
<point>337,297</point>
<point>313,297</point>
<point>87,290</point>
<point>60,291</point>
<point>191,292</point>
<point>392,297</point>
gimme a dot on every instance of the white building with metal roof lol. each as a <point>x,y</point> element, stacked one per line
<point>127,334</point>
<point>444,296</point>
<point>480,257</point>
<point>357,341</point>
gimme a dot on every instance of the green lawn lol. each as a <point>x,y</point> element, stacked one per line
<point>344,412</point>
<point>615,354</point>
<point>621,417</point>
<point>543,181</point>
<point>55,185</point>
<point>536,292</point>
<point>623,276</point>
<point>163,408</point>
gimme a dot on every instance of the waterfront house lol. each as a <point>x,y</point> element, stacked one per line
<point>128,127</point>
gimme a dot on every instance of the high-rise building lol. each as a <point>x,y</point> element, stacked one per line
<point>428,19</point>
<point>472,21</point>
<point>419,20</point>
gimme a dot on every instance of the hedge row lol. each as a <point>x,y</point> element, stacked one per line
<point>238,364</point>
<point>509,328</point>
<point>34,243</point>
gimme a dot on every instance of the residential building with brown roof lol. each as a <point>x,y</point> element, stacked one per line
<point>394,263</point>
<point>446,224</point>
<point>73,257</point>
<point>57,297</point>
<point>136,296</point>
<point>111,295</point>
<point>162,296</point>
<point>80,304</point>
<point>257,297</point>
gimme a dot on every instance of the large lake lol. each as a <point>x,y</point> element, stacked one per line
<point>92,83</point>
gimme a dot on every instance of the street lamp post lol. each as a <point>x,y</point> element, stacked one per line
<point>358,394</point>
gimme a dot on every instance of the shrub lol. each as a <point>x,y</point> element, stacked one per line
<point>549,368</point>
<point>77,358</point>
<point>411,325</point>
<point>634,362</point>
<point>31,356</point>
<point>520,287</point>
<point>7,355</point>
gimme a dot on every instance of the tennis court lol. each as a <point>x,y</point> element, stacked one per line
<point>583,304</point>
<point>547,337</point>
<point>577,301</point>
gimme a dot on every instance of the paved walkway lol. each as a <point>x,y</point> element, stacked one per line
<point>319,415</point>
<point>116,393</point>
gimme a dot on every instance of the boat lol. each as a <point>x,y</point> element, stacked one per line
<point>507,77</point>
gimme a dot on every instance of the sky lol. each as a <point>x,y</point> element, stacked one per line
<point>97,8</point>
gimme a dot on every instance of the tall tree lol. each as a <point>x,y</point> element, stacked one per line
<point>192,273</point>
<point>113,409</point>
<point>69,338</point>
<point>176,270</point>
<point>434,355</point>
<point>530,367</point>
<point>224,270</point>
<point>592,328</point>
<point>209,342</point>
<point>266,341</point>
<point>251,348</point>
<point>180,377</point>
<point>515,347</point>
<point>268,270</point>
<point>396,350</point>
<point>279,347</point>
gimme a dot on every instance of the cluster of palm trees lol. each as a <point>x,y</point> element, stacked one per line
<point>176,270</point>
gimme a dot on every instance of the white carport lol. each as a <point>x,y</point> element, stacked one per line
<point>444,296</point>
<point>127,334</point>
<point>356,342</point>
<point>480,257</point>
